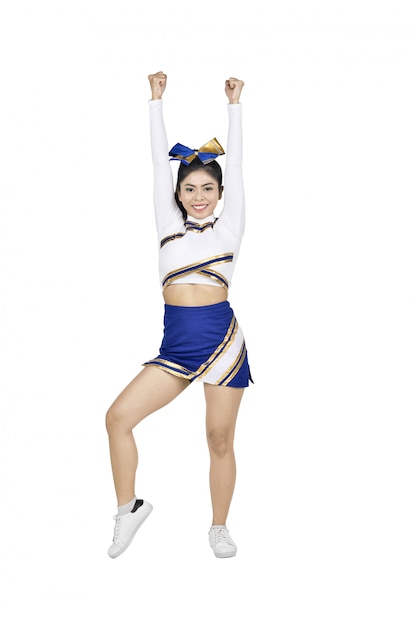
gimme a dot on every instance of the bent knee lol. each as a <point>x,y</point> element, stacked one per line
<point>115,419</point>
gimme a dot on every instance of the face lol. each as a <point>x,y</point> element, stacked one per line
<point>199,194</point>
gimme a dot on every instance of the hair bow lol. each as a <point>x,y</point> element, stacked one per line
<point>206,153</point>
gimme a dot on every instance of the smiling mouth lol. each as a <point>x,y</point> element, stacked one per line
<point>199,207</point>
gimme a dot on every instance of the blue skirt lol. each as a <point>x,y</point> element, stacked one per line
<point>204,343</point>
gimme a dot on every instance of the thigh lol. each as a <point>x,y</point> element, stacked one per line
<point>222,406</point>
<point>149,391</point>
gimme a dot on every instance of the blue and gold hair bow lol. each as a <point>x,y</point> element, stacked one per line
<point>206,153</point>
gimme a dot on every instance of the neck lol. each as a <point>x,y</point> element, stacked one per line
<point>201,220</point>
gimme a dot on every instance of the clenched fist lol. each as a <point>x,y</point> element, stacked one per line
<point>158,84</point>
<point>233,88</point>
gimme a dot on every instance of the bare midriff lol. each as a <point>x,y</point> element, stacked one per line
<point>194,295</point>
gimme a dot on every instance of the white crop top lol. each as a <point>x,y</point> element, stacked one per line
<point>197,251</point>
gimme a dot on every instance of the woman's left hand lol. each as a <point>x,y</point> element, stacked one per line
<point>233,88</point>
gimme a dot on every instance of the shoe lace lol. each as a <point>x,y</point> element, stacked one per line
<point>117,527</point>
<point>221,534</point>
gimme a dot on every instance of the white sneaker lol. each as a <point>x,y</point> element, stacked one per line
<point>221,542</point>
<point>126,527</point>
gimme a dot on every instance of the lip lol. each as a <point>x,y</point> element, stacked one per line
<point>199,207</point>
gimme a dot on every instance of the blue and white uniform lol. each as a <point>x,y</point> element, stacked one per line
<point>200,343</point>
<point>198,251</point>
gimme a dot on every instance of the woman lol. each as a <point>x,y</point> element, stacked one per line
<point>202,339</point>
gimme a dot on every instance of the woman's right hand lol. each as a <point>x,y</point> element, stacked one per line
<point>158,84</point>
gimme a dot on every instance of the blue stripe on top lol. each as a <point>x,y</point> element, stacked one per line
<point>201,268</point>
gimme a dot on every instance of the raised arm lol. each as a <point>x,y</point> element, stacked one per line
<point>234,199</point>
<point>166,210</point>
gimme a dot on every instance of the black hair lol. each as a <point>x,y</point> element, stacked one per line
<point>213,168</point>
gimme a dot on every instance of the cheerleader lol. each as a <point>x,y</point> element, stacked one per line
<point>202,340</point>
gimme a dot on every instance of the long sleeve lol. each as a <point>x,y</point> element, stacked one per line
<point>188,252</point>
<point>166,209</point>
<point>234,199</point>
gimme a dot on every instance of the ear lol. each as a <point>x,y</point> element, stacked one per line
<point>221,188</point>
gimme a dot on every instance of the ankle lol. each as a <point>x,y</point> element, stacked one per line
<point>219,522</point>
<point>124,509</point>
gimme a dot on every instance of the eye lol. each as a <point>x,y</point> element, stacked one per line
<point>208,188</point>
<point>188,189</point>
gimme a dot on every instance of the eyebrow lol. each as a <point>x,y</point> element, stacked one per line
<point>204,185</point>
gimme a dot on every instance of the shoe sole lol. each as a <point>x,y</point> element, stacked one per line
<point>115,556</point>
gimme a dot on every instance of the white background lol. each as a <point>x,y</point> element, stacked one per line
<point>325,507</point>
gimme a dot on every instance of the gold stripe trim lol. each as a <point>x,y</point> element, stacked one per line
<point>171,367</point>
<point>195,269</point>
<point>233,368</point>
<point>220,350</point>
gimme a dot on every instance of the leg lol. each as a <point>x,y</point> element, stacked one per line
<point>149,391</point>
<point>222,404</point>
